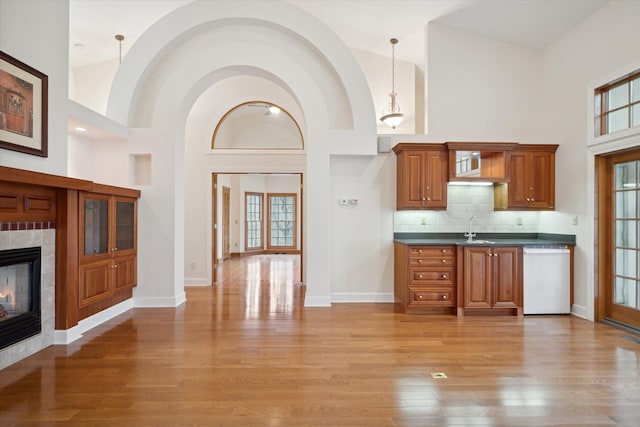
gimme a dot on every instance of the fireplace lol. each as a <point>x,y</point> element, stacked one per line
<point>20,316</point>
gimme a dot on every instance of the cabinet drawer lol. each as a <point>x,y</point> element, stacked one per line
<point>432,251</point>
<point>419,276</point>
<point>433,297</point>
<point>432,262</point>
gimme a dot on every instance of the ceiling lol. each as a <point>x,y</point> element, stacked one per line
<point>364,25</point>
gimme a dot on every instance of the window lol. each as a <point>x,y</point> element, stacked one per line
<point>253,220</point>
<point>282,220</point>
<point>617,105</point>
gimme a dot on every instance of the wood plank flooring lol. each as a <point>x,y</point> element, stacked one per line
<point>246,353</point>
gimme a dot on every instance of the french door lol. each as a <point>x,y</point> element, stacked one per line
<point>619,235</point>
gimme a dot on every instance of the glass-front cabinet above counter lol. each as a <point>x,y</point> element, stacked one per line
<point>478,161</point>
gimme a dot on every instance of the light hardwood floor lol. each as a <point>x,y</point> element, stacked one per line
<point>245,353</point>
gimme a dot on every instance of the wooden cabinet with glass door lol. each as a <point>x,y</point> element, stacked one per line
<point>421,176</point>
<point>107,250</point>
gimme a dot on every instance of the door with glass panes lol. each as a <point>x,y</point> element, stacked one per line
<point>623,251</point>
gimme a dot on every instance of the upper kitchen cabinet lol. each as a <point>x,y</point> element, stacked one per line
<point>422,176</point>
<point>531,183</point>
<point>478,161</point>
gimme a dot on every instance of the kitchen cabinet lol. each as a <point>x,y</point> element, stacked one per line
<point>421,176</point>
<point>491,279</point>
<point>425,279</point>
<point>107,246</point>
<point>531,179</point>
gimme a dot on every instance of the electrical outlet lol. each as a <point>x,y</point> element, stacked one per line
<point>575,220</point>
<point>519,221</point>
<point>193,265</point>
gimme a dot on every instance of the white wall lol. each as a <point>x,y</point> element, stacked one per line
<point>362,234</point>
<point>603,45</point>
<point>89,85</point>
<point>481,89</point>
<point>44,46</point>
<point>377,70</point>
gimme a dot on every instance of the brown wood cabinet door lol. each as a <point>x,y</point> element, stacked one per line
<point>506,276</point>
<point>532,179</point>
<point>436,179</point>
<point>540,174</point>
<point>478,269</point>
<point>124,272</point>
<point>411,180</point>
<point>518,190</point>
<point>422,179</point>
<point>94,282</point>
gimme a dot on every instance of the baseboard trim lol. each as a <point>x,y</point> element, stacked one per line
<point>362,298</point>
<point>317,301</point>
<point>266,252</point>
<point>67,336</point>
<point>579,310</point>
<point>157,302</point>
<point>197,281</point>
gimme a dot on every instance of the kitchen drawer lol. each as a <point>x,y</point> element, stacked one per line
<point>432,251</point>
<point>421,276</point>
<point>432,297</point>
<point>440,261</point>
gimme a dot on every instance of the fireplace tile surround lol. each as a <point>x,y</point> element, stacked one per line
<point>43,235</point>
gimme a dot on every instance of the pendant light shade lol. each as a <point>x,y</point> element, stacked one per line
<point>391,115</point>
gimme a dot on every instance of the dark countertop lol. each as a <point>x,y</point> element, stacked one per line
<point>490,239</point>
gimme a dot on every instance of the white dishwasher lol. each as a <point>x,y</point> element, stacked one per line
<point>546,280</point>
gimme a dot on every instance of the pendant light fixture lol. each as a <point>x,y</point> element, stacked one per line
<point>120,37</point>
<point>391,115</point>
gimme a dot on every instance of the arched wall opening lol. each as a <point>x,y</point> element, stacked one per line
<point>160,83</point>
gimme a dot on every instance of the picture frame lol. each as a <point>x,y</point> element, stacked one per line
<point>23,107</point>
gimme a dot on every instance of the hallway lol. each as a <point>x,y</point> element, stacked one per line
<point>259,286</point>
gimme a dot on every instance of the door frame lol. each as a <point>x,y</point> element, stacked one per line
<point>605,232</point>
<point>214,216</point>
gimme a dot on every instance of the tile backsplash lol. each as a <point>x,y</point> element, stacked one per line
<point>462,203</point>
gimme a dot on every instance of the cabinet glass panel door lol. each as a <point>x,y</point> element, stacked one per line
<point>96,226</point>
<point>125,225</point>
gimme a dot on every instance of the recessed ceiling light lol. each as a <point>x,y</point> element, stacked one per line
<point>81,129</point>
<point>273,109</point>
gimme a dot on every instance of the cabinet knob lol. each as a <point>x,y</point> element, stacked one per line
<point>420,261</point>
<point>428,199</point>
<point>424,198</point>
<point>443,276</point>
<point>419,296</point>
<point>419,276</point>
<point>420,250</point>
<point>444,297</point>
<point>444,250</point>
<point>444,261</point>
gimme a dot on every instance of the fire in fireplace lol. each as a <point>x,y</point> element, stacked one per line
<point>19,295</point>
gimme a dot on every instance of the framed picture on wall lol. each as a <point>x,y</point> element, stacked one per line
<point>23,107</point>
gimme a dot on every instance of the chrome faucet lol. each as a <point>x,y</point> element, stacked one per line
<point>470,235</point>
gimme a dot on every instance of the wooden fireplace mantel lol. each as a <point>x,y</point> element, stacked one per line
<point>35,200</point>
